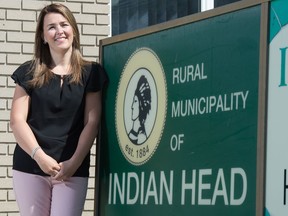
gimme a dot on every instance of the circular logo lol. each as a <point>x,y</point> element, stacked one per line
<point>141,106</point>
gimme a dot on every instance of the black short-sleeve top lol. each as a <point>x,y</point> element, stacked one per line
<point>56,115</point>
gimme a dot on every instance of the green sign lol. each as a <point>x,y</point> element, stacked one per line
<point>180,120</point>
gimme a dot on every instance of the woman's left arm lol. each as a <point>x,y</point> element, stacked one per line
<point>92,118</point>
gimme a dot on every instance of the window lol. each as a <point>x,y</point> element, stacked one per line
<point>130,15</point>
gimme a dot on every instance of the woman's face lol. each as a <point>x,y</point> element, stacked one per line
<point>57,32</point>
<point>135,108</point>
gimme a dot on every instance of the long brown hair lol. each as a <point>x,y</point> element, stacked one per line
<point>42,60</point>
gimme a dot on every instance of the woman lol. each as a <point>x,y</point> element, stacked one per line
<point>140,108</point>
<point>55,117</point>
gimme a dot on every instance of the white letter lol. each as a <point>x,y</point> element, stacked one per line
<point>212,103</point>
<point>151,189</point>
<point>233,200</point>
<point>133,200</point>
<point>142,188</point>
<point>217,192</point>
<point>201,111</point>
<point>244,99</point>
<point>120,189</point>
<point>190,70</point>
<point>175,75</point>
<point>110,187</point>
<point>175,109</point>
<point>203,76</point>
<point>203,186</point>
<point>186,186</point>
<point>163,184</point>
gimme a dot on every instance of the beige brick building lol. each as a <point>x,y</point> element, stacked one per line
<point>17,27</point>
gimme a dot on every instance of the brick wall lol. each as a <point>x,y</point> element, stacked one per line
<point>17,27</point>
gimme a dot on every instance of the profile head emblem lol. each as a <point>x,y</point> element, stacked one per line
<point>141,105</point>
<point>140,115</point>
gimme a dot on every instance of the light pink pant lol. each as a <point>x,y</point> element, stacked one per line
<point>42,196</point>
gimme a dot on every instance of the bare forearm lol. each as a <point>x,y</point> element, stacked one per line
<point>27,141</point>
<point>18,120</point>
<point>24,136</point>
<point>85,143</point>
<point>92,121</point>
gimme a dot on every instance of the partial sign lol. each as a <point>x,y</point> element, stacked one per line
<point>277,136</point>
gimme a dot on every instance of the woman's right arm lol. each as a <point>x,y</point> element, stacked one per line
<point>23,133</point>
